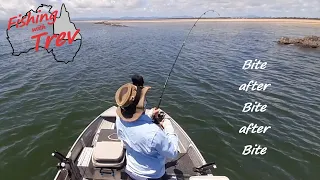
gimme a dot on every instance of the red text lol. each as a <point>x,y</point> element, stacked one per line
<point>60,39</point>
<point>26,20</point>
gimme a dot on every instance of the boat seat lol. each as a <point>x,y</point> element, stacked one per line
<point>108,154</point>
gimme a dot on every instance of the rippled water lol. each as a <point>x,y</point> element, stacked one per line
<point>44,105</point>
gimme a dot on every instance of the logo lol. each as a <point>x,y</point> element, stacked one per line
<point>48,31</point>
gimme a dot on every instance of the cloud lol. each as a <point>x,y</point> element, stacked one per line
<point>92,5</point>
<point>14,6</point>
<point>119,8</point>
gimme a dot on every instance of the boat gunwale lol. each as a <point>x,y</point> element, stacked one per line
<point>80,136</point>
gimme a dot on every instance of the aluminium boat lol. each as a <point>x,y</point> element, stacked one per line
<point>98,154</point>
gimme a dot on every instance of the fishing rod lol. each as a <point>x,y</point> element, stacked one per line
<point>183,44</point>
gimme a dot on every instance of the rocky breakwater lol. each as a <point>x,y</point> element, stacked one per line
<point>111,24</point>
<point>308,41</point>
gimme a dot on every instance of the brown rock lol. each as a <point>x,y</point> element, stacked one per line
<point>284,40</point>
<point>308,41</point>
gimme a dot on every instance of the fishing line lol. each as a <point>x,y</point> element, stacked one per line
<point>183,44</point>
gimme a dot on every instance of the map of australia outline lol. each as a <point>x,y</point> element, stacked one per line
<point>61,25</point>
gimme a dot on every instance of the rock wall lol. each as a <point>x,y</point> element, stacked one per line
<point>308,41</point>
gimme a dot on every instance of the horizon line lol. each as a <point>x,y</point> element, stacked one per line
<point>155,18</point>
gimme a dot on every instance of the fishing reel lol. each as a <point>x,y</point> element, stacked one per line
<point>159,117</point>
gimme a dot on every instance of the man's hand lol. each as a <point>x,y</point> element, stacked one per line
<point>153,112</point>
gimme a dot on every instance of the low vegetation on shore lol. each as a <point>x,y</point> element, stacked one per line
<point>308,41</point>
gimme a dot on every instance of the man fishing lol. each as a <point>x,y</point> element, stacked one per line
<point>147,144</point>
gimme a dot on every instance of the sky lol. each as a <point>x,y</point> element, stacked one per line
<point>168,8</point>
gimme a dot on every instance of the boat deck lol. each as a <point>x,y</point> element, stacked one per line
<point>181,167</point>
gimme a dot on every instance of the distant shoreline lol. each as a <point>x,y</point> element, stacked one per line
<point>276,20</point>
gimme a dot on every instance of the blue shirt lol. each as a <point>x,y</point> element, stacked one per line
<point>147,147</point>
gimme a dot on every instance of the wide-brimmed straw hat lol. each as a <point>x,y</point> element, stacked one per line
<point>130,100</point>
